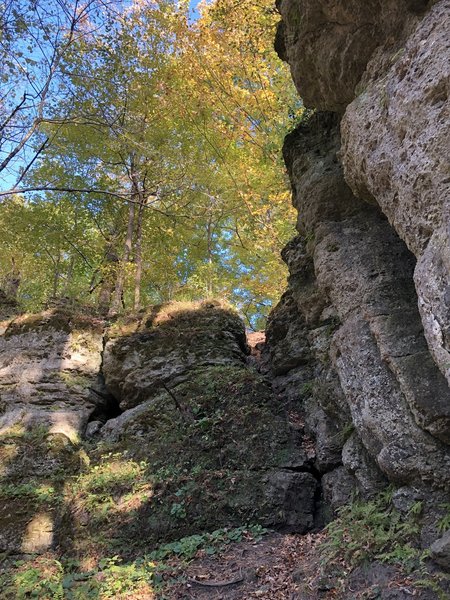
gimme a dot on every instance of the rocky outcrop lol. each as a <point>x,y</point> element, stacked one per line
<point>164,346</point>
<point>191,403</point>
<point>353,313</point>
<point>153,428</point>
<point>49,368</point>
<point>358,344</point>
<point>329,43</point>
<point>440,551</point>
<point>395,148</point>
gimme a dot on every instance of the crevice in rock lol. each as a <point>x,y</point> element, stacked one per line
<point>107,406</point>
<point>319,507</point>
<point>305,468</point>
<point>320,510</point>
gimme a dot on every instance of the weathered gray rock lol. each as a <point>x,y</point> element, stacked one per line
<point>164,350</point>
<point>293,494</point>
<point>359,463</point>
<point>49,364</point>
<point>191,402</point>
<point>395,134</point>
<point>440,551</point>
<point>395,148</point>
<point>320,192</point>
<point>404,498</point>
<point>358,312</point>
<point>93,428</point>
<point>339,487</point>
<point>329,43</point>
<point>288,334</point>
<point>369,274</point>
<point>326,433</point>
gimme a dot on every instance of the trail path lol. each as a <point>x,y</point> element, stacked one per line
<point>266,569</point>
<point>288,567</point>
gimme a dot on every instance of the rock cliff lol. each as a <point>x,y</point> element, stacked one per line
<point>158,426</point>
<point>359,339</point>
<point>141,432</point>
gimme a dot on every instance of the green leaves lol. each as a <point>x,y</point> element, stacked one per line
<point>162,177</point>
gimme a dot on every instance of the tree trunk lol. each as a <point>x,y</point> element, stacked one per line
<point>118,291</point>
<point>108,279</point>
<point>12,282</point>
<point>209,281</point>
<point>138,255</point>
<point>69,275</point>
<point>56,277</point>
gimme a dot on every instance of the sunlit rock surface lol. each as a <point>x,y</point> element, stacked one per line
<point>148,430</point>
<point>367,297</point>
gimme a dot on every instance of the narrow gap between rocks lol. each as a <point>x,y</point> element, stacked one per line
<point>107,406</point>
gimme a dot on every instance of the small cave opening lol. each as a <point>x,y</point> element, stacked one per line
<point>107,405</point>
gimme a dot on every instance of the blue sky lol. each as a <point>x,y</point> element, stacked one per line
<point>193,9</point>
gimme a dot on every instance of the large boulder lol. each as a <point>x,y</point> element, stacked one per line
<point>328,43</point>
<point>49,367</point>
<point>160,348</point>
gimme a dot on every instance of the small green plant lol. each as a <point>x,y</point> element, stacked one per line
<point>373,530</point>
<point>178,510</point>
<point>434,581</point>
<point>114,479</point>
<point>42,579</point>
<point>74,381</point>
<point>211,543</point>
<point>307,388</point>
<point>48,579</point>
<point>343,435</point>
<point>444,523</point>
<point>38,491</point>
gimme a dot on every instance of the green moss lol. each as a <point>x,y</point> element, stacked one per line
<point>74,380</point>
<point>55,319</point>
<point>222,417</point>
<point>194,461</point>
<point>178,319</point>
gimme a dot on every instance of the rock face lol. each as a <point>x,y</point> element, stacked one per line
<point>329,43</point>
<point>395,149</point>
<point>198,442</point>
<point>440,551</point>
<point>49,366</point>
<point>358,343</point>
<point>166,346</point>
<point>193,407</point>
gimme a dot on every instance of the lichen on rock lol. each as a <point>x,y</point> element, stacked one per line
<point>367,292</point>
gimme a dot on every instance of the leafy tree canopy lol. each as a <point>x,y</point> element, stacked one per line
<point>141,153</point>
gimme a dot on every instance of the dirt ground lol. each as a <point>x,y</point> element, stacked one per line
<point>287,567</point>
<point>253,569</point>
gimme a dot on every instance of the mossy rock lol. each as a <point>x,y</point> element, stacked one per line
<point>167,345</point>
<point>221,417</point>
<point>196,458</point>
<point>205,315</point>
<point>57,319</point>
